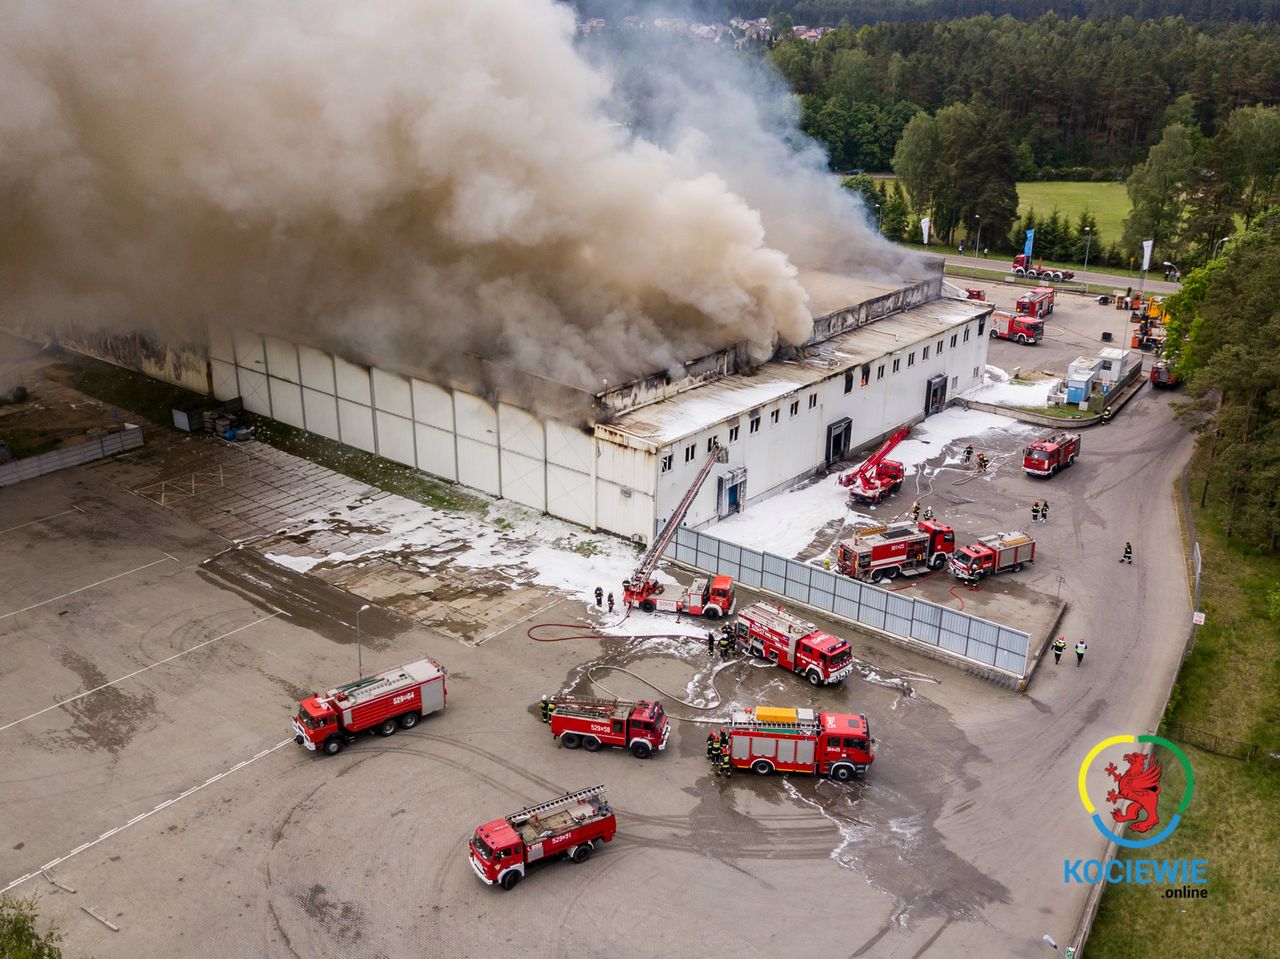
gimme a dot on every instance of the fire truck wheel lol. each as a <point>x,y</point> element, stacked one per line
<point>895,487</point>
<point>937,560</point>
<point>408,720</point>
<point>815,678</point>
<point>1022,339</point>
<point>711,612</point>
<point>842,773</point>
<point>509,880</point>
<point>891,572</point>
<point>570,741</point>
<point>641,750</point>
<point>387,727</point>
<point>583,852</point>
<point>648,606</point>
<point>762,767</point>
<point>877,576</point>
<point>1071,460</point>
<point>332,746</point>
<point>590,744</point>
<point>1017,567</point>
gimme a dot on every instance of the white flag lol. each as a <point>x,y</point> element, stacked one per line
<point>1146,254</point>
<point>924,228</point>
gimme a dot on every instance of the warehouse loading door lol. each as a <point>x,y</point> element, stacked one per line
<point>839,434</point>
<point>936,395</point>
<point>731,492</point>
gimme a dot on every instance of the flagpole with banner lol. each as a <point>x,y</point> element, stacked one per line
<point>1146,264</point>
<point>924,229</point>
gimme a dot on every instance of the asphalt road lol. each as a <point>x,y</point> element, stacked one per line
<point>174,804</point>
<point>1154,283</point>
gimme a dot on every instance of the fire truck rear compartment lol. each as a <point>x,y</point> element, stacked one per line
<point>539,828</point>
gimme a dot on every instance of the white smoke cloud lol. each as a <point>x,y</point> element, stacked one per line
<point>412,178</point>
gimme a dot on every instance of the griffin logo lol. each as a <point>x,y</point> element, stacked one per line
<point>1135,797</point>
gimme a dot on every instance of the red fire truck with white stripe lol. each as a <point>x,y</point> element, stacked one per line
<point>395,699</point>
<point>585,721</point>
<point>765,739</point>
<point>772,633</point>
<point>1046,456</point>
<point>567,827</point>
<point>877,553</point>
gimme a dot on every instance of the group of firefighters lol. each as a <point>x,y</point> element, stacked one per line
<point>718,752</point>
<point>600,599</point>
<point>724,644</point>
<point>982,458</point>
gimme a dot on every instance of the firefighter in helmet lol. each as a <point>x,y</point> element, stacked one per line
<point>713,746</point>
<point>928,512</point>
<point>546,708</point>
<point>968,454</point>
<point>711,643</point>
<point>726,645</point>
<point>599,596</point>
<point>724,759</point>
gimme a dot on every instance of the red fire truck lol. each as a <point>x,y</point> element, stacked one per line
<point>568,827</point>
<point>994,554</point>
<point>397,698</point>
<point>1020,329</point>
<point>585,721</point>
<point>1163,376</point>
<point>877,553</point>
<point>1056,452</point>
<point>772,633</point>
<point>710,597</point>
<point>1024,266</point>
<point>766,738</point>
<point>1037,303</point>
<point>876,477</point>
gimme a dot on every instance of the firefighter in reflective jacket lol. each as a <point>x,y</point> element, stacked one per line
<point>726,645</point>
<point>713,746</point>
<point>711,643</point>
<point>547,709</point>
<point>725,766</point>
<point>968,454</point>
<point>1059,647</point>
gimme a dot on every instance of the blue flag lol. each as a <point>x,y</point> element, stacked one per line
<point>1031,237</point>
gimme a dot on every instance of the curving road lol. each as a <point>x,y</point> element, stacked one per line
<point>1155,284</point>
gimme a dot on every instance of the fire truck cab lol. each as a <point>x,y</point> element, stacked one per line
<point>770,632</point>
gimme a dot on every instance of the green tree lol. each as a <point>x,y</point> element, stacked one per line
<point>896,215</point>
<point>864,187</point>
<point>782,25</point>
<point>916,161</point>
<point>975,170</point>
<point>1159,190</point>
<point>1087,239</point>
<point>19,936</point>
<point>1251,157</point>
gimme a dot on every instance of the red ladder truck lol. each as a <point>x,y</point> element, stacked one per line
<point>878,553</point>
<point>765,739</point>
<point>568,827</point>
<point>1055,452</point>
<point>397,698</point>
<point>877,477</point>
<point>772,633</point>
<point>711,597</point>
<point>640,726</point>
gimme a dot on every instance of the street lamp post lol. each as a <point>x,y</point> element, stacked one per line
<point>1173,267</point>
<point>1088,242</point>
<point>977,244</point>
<point>359,646</point>
<point>1218,245</point>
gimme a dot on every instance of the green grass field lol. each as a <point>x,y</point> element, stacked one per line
<point>1229,685</point>
<point>1108,202</point>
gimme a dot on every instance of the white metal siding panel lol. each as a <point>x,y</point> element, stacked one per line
<point>286,402</point>
<point>322,413</point>
<point>391,393</point>
<point>395,438</point>
<point>475,417</point>
<point>357,425</point>
<point>435,452</point>
<point>633,468</point>
<point>521,432</point>
<point>568,446</point>
<point>225,386</point>
<point>478,465</point>
<point>432,405</point>
<point>353,381</point>
<point>221,345</point>
<point>524,480</point>
<point>625,515</point>
<point>282,359</point>
<point>569,494</point>
<point>249,352</point>
<point>317,369</point>
<point>253,387</point>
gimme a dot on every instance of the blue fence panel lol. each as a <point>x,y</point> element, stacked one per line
<point>730,553</point>
<point>1013,641</point>
<point>982,652</point>
<point>956,642</point>
<point>775,564</point>
<point>749,577</point>
<point>1013,662</point>
<point>774,582</point>
<point>798,573</point>
<point>845,607</point>
<point>708,561</point>
<point>752,559</point>
<point>848,588</point>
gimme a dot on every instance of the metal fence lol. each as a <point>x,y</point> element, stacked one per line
<point>99,447</point>
<point>978,640</point>
<point>1211,742</point>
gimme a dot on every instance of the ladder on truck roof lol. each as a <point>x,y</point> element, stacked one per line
<point>649,561</point>
<point>590,702</point>
<point>364,688</point>
<point>861,473</point>
<point>743,720</point>
<point>552,805</point>
<point>778,619</point>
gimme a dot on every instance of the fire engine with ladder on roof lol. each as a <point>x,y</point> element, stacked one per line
<point>876,477</point>
<point>765,739</point>
<point>710,597</point>
<point>566,827</point>
<point>639,726</point>
<point>770,632</point>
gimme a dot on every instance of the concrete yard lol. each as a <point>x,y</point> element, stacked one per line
<point>154,665</point>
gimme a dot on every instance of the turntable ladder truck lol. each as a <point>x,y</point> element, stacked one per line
<point>877,476</point>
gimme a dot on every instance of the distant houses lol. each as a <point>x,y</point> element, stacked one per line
<point>738,31</point>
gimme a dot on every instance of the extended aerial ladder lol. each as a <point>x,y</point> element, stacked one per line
<point>642,585</point>
<point>876,477</point>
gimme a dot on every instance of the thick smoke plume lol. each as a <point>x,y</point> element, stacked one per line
<point>409,178</point>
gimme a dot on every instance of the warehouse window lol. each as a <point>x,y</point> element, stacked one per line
<point>755,424</point>
<point>733,434</point>
<point>690,452</point>
<point>773,417</point>
<point>939,350</point>
<point>911,358</point>
<point>711,443</point>
<point>880,372</point>
<point>848,381</point>
<point>953,340</point>
<point>866,374</point>
<point>897,363</point>
<point>975,372</point>
<point>966,334</point>
<point>955,382</point>
<point>795,407</point>
<point>925,354</point>
<point>813,400</point>
<point>667,461</point>
<point>982,326</point>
